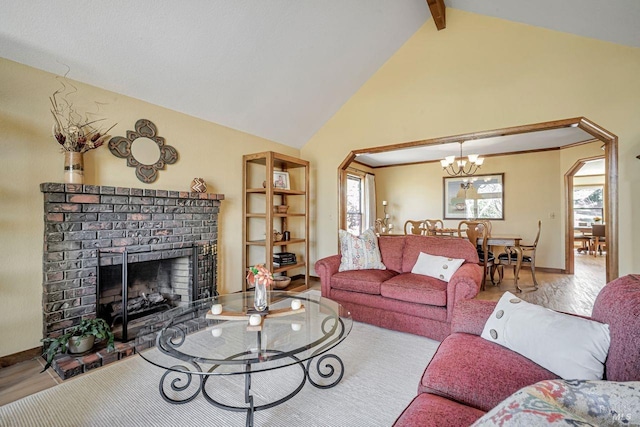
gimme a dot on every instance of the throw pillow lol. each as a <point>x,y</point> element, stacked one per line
<point>360,252</point>
<point>436,266</point>
<point>569,346</point>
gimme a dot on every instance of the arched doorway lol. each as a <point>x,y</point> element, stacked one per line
<point>610,145</point>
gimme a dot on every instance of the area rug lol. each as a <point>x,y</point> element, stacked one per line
<point>382,370</point>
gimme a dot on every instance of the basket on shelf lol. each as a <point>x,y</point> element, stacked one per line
<point>281,209</point>
<point>281,282</point>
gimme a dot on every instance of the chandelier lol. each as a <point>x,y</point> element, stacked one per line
<point>460,166</point>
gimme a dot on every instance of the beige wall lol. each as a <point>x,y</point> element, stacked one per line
<point>31,156</point>
<point>483,73</point>
<point>533,188</point>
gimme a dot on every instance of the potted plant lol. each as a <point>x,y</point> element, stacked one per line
<point>78,339</point>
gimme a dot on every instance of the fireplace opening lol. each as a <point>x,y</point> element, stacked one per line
<point>151,286</point>
<point>129,292</point>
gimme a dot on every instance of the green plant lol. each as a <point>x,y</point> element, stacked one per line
<point>99,328</point>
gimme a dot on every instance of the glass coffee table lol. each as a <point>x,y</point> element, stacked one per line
<point>196,347</point>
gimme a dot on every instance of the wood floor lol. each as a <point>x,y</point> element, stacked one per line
<point>570,293</point>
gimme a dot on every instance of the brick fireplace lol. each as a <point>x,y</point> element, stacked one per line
<point>90,231</point>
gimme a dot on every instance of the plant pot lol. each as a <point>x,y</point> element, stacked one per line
<point>81,344</point>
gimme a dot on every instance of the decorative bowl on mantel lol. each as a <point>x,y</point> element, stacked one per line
<point>281,282</point>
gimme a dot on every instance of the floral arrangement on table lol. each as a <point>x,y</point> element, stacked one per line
<point>73,131</point>
<point>260,274</point>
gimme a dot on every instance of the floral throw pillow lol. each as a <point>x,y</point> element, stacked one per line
<point>360,252</point>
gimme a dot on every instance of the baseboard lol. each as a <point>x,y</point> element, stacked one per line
<point>22,356</point>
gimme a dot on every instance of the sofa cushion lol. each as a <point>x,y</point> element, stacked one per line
<point>436,266</point>
<point>569,346</point>
<point>415,288</point>
<point>391,248</point>
<point>364,281</point>
<point>359,252</point>
<point>479,373</point>
<point>569,403</point>
<point>450,247</point>
<point>427,410</point>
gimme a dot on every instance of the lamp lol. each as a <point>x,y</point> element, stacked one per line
<point>384,225</point>
<point>459,167</point>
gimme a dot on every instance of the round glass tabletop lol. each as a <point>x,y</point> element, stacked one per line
<point>191,339</point>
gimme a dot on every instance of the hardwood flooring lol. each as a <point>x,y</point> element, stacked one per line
<point>570,293</point>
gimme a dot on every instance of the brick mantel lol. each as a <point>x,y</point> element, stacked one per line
<point>83,221</point>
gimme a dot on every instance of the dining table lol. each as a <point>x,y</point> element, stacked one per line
<point>510,242</point>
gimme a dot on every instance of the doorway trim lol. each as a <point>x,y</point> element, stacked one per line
<point>609,140</point>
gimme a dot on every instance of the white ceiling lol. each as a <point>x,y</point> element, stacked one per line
<point>539,140</point>
<point>278,69</point>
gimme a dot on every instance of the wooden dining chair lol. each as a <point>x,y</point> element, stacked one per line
<point>414,227</point>
<point>432,226</point>
<point>598,238</point>
<point>476,231</point>
<point>510,257</point>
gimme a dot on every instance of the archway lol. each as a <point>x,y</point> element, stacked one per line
<point>609,140</point>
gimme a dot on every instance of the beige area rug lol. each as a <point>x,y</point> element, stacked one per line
<point>382,370</point>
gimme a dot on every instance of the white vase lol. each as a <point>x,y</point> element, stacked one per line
<point>73,167</point>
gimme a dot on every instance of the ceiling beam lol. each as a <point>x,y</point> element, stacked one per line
<point>437,11</point>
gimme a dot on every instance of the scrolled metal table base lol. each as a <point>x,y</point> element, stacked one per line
<point>326,371</point>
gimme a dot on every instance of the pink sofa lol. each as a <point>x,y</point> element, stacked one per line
<point>397,299</point>
<point>469,375</point>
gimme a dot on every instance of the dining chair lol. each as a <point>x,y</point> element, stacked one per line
<point>414,227</point>
<point>510,257</point>
<point>432,226</point>
<point>598,238</point>
<point>474,231</point>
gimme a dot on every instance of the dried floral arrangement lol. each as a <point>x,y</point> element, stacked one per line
<point>74,131</point>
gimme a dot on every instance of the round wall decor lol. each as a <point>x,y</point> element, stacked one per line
<point>144,150</point>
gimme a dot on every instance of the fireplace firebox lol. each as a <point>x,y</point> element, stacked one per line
<point>130,288</point>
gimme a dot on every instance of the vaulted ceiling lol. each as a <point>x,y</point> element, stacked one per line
<point>278,69</point>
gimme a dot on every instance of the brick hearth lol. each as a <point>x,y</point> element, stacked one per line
<point>84,222</point>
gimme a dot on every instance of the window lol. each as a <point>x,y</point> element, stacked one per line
<point>354,204</point>
<point>588,204</point>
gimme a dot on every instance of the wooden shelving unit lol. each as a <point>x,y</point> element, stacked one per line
<point>260,218</point>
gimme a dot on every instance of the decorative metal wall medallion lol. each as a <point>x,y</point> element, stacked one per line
<point>144,150</point>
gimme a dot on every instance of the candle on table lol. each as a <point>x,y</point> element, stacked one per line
<point>296,304</point>
<point>216,309</point>
<point>255,319</point>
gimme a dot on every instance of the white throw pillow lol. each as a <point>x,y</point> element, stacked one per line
<point>436,266</point>
<point>360,252</point>
<point>571,347</point>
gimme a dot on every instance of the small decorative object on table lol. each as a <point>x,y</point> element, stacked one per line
<point>597,219</point>
<point>261,278</point>
<point>198,185</point>
<point>75,133</point>
<point>277,236</point>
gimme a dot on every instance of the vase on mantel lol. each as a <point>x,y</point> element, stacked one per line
<point>261,296</point>
<point>73,167</point>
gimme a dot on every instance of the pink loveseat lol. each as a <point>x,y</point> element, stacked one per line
<point>469,375</point>
<point>397,299</point>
